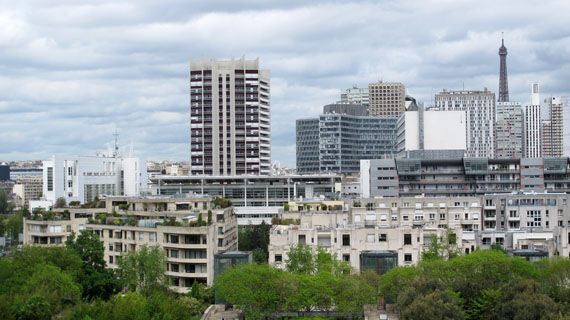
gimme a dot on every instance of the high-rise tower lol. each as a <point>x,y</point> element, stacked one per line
<point>503,81</point>
<point>230,118</point>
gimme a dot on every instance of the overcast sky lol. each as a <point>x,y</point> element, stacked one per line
<point>72,71</point>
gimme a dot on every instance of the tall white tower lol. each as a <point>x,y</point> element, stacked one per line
<point>532,137</point>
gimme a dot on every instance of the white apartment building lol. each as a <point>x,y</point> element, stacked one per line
<point>230,118</point>
<point>532,133</point>
<point>82,178</point>
<point>431,130</point>
<point>479,108</point>
<point>167,222</point>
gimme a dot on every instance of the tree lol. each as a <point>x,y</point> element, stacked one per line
<point>5,205</point>
<point>200,220</point>
<point>143,270</point>
<point>444,247</point>
<point>60,203</point>
<point>210,217</point>
<point>257,289</point>
<point>300,260</point>
<point>97,281</point>
<point>14,225</point>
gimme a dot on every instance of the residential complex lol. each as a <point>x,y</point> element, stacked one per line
<point>189,229</point>
<point>509,130</point>
<point>230,118</point>
<point>345,136</point>
<point>553,128</point>
<point>462,176</point>
<point>479,108</point>
<point>383,232</point>
<point>83,178</point>
<point>387,99</point>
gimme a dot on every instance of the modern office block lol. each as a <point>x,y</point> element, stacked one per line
<point>345,136</point>
<point>251,191</point>
<point>230,118</point>
<point>4,172</point>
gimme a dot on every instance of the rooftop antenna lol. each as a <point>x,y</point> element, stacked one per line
<point>116,146</point>
<point>463,85</point>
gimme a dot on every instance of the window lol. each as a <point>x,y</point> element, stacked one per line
<point>486,241</point>
<point>534,218</point>
<point>382,237</point>
<point>408,257</point>
<point>174,253</point>
<point>407,239</point>
<point>152,237</point>
<point>50,178</point>
<point>111,259</point>
<point>141,235</point>
<point>500,241</point>
<point>346,257</point>
<point>346,240</point>
<point>278,258</point>
<point>302,239</point>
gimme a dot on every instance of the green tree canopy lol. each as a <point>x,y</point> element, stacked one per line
<point>143,270</point>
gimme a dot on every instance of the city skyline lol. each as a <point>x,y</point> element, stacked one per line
<point>72,73</point>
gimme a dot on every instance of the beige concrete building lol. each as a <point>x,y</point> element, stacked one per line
<point>170,223</point>
<point>387,99</point>
<point>400,226</point>
<point>28,188</point>
<point>531,225</point>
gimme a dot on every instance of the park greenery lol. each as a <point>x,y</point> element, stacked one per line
<point>310,282</point>
<point>72,282</point>
<point>483,285</point>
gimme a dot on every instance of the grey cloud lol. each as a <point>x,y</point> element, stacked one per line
<point>70,72</point>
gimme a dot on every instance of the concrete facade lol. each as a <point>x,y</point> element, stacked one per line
<point>230,118</point>
<point>509,130</point>
<point>167,222</point>
<point>28,188</point>
<point>387,99</point>
<point>553,128</point>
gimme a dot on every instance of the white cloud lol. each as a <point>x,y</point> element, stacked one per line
<point>71,71</point>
